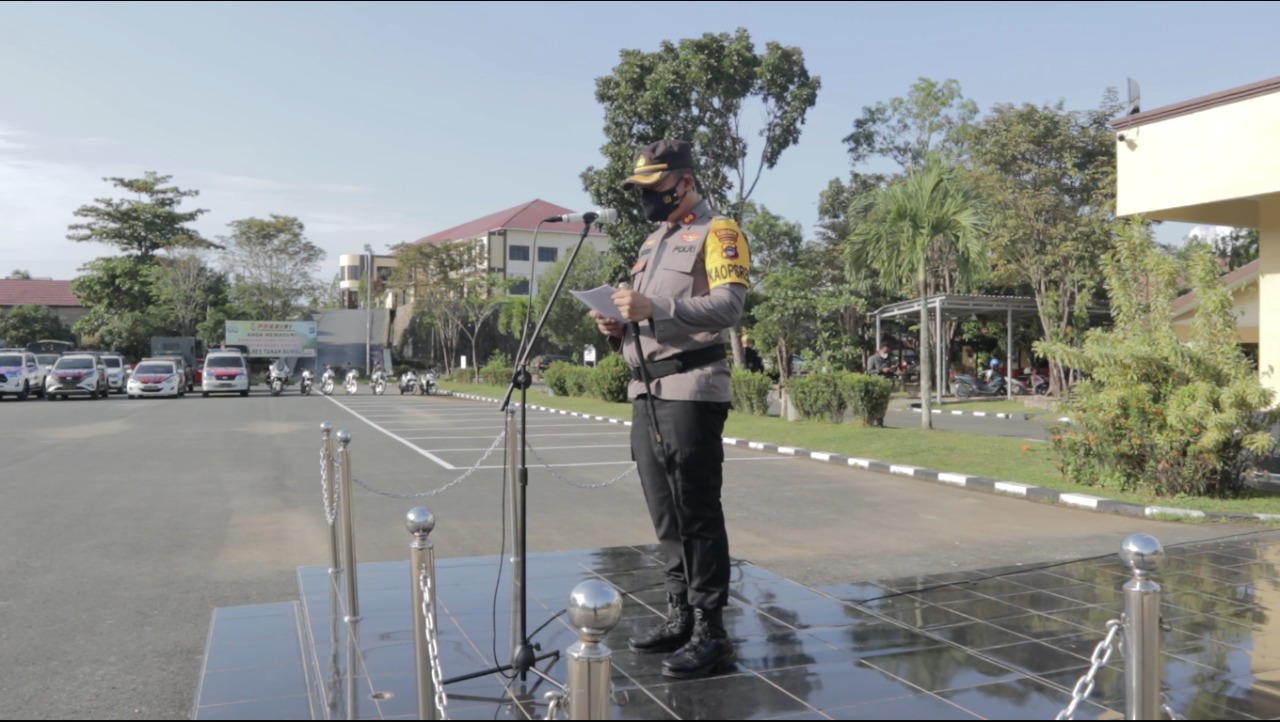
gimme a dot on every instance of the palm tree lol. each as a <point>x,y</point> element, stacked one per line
<point>932,209</point>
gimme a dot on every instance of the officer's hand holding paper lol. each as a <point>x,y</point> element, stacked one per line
<point>600,300</point>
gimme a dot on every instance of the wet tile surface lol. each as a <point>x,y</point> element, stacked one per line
<point>1003,643</point>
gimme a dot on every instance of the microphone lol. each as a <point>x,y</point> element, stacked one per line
<point>605,215</point>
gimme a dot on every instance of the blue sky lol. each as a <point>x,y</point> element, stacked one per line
<point>382,122</point>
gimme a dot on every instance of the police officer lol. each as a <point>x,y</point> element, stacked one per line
<point>688,286</point>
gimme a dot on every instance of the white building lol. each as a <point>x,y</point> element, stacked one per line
<point>351,268</point>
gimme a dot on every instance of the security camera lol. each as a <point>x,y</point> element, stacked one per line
<point>1120,138</point>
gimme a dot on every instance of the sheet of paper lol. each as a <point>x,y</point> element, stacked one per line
<point>600,300</point>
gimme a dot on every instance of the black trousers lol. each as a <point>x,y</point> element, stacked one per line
<point>682,484</point>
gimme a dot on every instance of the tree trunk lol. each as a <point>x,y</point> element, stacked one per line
<point>735,340</point>
<point>926,362</point>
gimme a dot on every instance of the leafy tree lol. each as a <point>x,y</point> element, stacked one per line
<point>933,118</point>
<point>1233,248</point>
<point>271,265</point>
<point>787,315</point>
<point>186,288</point>
<point>698,90</point>
<point>1156,414</point>
<point>1048,176</point>
<point>775,241</point>
<point>932,210</point>
<point>19,274</point>
<point>21,325</point>
<point>142,226</point>
<point>568,328</point>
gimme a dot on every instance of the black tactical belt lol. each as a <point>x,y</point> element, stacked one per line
<point>681,362</point>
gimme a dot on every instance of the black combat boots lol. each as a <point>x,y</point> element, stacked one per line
<point>671,634</point>
<point>708,651</point>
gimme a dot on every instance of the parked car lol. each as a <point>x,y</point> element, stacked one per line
<point>78,374</point>
<point>20,374</point>
<point>224,372</point>
<point>156,377</point>
<point>115,371</point>
<point>187,372</point>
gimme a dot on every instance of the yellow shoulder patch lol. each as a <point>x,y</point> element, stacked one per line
<point>728,260</point>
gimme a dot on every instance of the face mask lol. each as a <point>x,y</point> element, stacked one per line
<point>659,205</point>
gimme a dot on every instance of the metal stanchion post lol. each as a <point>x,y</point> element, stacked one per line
<point>594,609</point>
<point>420,522</point>
<point>513,511</point>
<point>1142,553</point>
<point>331,496</point>
<point>348,527</point>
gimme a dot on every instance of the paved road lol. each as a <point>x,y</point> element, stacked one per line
<point>125,523</point>
<point>1008,428</point>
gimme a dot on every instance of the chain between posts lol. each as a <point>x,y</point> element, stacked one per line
<point>557,474</point>
<point>433,645</point>
<point>1101,655</point>
<point>422,495</point>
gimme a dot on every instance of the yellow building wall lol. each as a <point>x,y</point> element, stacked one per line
<point>1269,292</point>
<point>1210,166</point>
<point>1244,306</point>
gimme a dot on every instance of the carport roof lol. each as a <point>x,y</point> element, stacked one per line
<point>960,306</point>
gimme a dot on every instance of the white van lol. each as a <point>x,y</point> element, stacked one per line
<point>225,372</point>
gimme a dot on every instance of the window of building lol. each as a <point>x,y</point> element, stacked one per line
<point>351,273</point>
<point>517,253</point>
<point>548,255</point>
<point>519,287</point>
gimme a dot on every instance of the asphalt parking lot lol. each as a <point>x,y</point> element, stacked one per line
<point>126,523</point>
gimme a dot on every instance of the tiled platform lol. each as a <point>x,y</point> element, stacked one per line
<point>995,644</point>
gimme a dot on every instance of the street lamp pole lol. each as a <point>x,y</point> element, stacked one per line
<point>368,314</point>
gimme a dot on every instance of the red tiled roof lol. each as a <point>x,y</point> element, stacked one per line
<point>521,217</point>
<point>1237,278</point>
<point>17,292</point>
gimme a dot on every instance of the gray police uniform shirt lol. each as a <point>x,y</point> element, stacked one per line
<point>695,272</point>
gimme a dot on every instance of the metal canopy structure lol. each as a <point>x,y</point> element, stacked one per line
<point>960,307</point>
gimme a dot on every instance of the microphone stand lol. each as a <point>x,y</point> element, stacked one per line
<point>524,655</point>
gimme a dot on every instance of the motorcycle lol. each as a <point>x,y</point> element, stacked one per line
<point>965,386</point>
<point>427,386</point>
<point>277,382</point>
<point>305,387</point>
<point>408,383</point>
<point>350,382</point>
<point>326,382</point>
<point>378,382</point>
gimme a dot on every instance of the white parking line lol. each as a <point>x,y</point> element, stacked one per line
<point>541,448</point>
<point>415,447</point>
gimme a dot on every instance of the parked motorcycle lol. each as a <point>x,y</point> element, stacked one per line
<point>965,386</point>
<point>326,381</point>
<point>378,382</point>
<point>408,383</point>
<point>305,386</point>
<point>277,380</point>
<point>428,385</point>
<point>350,382</point>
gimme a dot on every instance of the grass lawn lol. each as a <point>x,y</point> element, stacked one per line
<point>973,454</point>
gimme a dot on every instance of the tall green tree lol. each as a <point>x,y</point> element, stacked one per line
<point>932,210</point>
<point>775,241</point>
<point>707,90</point>
<point>20,274</point>
<point>144,225</point>
<point>272,266</point>
<point>933,118</point>
<point>1048,176</point>
<point>568,328</point>
<point>703,90</point>
<point>21,325</point>
<point>186,288</point>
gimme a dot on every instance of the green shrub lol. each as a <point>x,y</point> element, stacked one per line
<point>867,396</point>
<point>578,381</point>
<point>556,377</point>
<point>610,378</point>
<point>498,371</point>
<point>460,376</point>
<point>818,396</point>
<point>1156,414</point>
<point>750,392</point>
